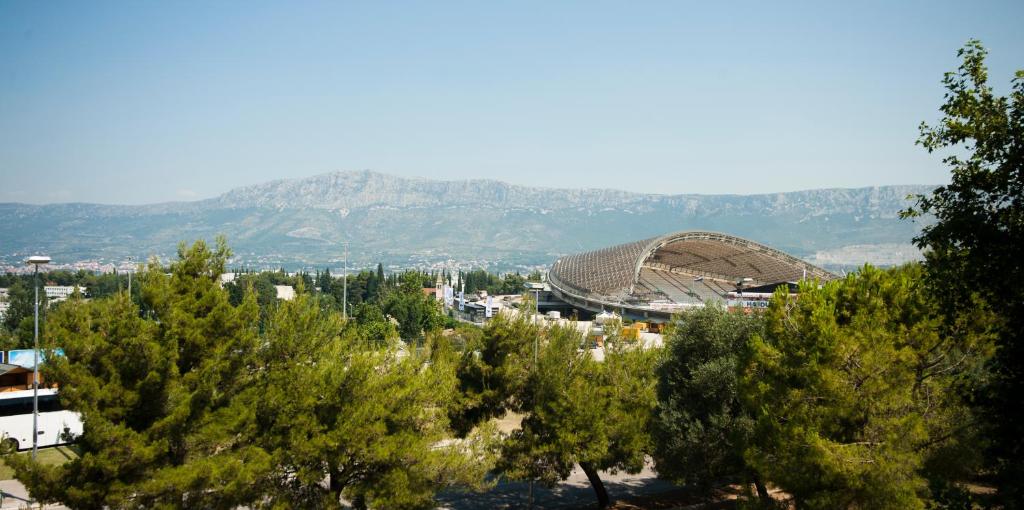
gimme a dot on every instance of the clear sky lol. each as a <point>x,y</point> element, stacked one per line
<point>139,102</point>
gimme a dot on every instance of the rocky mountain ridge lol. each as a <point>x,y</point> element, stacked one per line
<point>301,222</point>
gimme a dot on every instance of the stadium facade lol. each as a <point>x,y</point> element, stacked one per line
<point>653,278</point>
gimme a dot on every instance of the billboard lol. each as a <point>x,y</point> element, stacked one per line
<point>24,357</point>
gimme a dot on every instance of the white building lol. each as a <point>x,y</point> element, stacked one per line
<point>61,292</point>
<point>4,302</point>
<point>285,292</point>
<point>226,278</point>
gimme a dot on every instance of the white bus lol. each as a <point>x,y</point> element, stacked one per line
<point>56,426</point>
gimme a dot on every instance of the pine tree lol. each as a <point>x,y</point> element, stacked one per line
<point>325,281</point>
<point>193,407</point>
<point>493,370</point>
<point>157,397</point>
<point>393,452</point>
<point>852,387</point>
<point>580,411</point>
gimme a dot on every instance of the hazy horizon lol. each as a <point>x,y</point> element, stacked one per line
<point>413,177</point>
<point>140,103</point>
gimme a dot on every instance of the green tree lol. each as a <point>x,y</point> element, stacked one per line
<point>324,281</point>
<point>261,284</point>
<point>415,312</point>
<point>157,397</point>
<point>22,308</point>
<point>493,369</point>
<point>853,390</point>
<point>100,286</point>
<point>373,326</point>
<point>701,427</point>
<point>392,452</point>
<point>976,244</point>
<point>372,287</point>
<point>512,283</point>
<point>580,411</point>
<point>193,407</point>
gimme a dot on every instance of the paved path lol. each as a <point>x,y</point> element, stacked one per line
<point>15,496</point>
<point>573,493</point>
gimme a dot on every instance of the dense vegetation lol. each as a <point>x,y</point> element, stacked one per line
<point>370,295</point>
<point>890,388</point>
<point>197,405</point>
<point>974,250</point>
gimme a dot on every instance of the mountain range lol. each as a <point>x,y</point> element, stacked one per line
<point>473,223</point>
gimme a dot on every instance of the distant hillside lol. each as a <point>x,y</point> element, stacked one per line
<point>302,222</point>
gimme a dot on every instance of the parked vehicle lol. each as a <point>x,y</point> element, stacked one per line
<point>56,426</point>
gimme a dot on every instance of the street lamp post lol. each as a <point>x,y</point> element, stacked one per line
<point>344,284</point>
<point>36,261</point>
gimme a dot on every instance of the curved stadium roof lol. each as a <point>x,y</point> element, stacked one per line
<point>673,271</point>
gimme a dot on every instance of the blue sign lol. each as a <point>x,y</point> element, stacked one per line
<point>24,357</point>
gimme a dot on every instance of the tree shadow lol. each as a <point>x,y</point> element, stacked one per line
<point>566,495</point>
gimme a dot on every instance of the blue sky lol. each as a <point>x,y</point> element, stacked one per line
<point>140,102</point>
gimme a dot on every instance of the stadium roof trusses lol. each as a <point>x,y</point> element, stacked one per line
<point>674,270</point>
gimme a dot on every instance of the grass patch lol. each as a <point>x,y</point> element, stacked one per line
<point>48,456</point>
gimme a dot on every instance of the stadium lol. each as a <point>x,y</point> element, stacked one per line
<point>653,278</point>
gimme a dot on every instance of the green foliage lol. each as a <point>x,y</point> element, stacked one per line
<point>852,386</point>
<point>154,394</point>
<point>259,284</point>
<point>577,410</point>
<point>976,245</point>
<point>17,331</point>
<point>701,427</point>
<point>582,411</point>
<point>493,368</point>
<point>192,406</point>
<point>373,326</point>
<point>479,279</point>
<point>20,296</point>
<point>629,381</point>
<point>392,452</point>
<point>415,312</point>
<point>97,285</point>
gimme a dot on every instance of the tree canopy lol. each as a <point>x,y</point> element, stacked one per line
<point>975,246</point>
<point>701,427</point>
<point>852,387</point>
<point>193,406</point>
<point>580,411</point>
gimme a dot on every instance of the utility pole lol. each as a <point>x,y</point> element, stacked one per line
<point>344,283</point>
<point>536,317</point>
<point>536,348</point>
<point>130,271</point>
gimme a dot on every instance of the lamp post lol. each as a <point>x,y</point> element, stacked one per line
<point>36,261</point>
